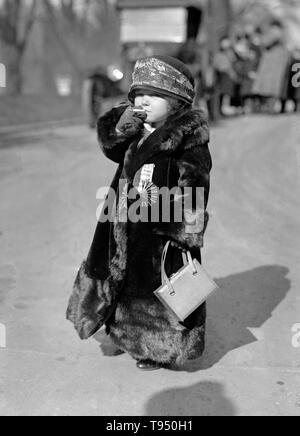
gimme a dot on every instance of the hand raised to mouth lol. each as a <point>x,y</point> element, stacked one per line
<point>140,112</point>
<point>131,122</point>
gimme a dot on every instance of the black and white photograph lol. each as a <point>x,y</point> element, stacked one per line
<point>149,210</point>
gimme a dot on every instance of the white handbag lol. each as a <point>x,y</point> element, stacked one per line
<point>187,289</point>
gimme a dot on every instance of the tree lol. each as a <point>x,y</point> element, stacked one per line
<point>67,33</point>
<point>16,21</point>
<point>71,20</point>
<point>58,32</point>
<point>82,13</point>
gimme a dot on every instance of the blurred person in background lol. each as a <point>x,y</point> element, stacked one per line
<point>206,89</point>
<point>242,67</point>
<point>249,53</point>
<point>255,41</point>
<point>190,54</point>
<point>99,85</point>
<point>211,90</point>
<point>270,83</point>
<point>226,77</point>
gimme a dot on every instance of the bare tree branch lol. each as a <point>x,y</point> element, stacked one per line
<point>10,23</point>
<point>67,7</point>
<point>71,57</point>
<point>7,28</point>
<point>28,27</point>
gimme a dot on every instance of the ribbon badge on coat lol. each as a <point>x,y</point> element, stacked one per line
<point>146,188</point>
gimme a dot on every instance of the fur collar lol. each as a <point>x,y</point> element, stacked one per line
<point>184,131</point>
<point>181,132</point>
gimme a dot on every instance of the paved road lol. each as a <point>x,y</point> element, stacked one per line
<point>48,184</point>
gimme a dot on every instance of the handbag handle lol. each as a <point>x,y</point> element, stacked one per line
<point>187,259</point>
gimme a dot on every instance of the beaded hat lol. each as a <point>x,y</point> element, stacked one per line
<point>163,75</point>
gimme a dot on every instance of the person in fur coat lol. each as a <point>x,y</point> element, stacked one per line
<point>158,141</point>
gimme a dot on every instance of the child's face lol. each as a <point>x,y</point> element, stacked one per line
<point>157,107</point>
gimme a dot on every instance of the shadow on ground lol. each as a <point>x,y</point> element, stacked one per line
<point>244,301</point>
<point>202,399</point>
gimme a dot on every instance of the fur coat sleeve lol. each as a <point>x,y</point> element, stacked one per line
<point>193,179</point>
<point>114,145</point>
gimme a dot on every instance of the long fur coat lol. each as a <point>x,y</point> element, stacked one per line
<point>125,257</point>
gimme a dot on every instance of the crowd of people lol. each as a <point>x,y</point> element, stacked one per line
<point>250,72</point>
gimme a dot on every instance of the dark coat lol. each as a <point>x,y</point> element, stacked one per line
<point>272,74</point>
<point>225,74</point>
<point>125,257</point>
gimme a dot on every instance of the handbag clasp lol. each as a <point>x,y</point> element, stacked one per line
<point>171,289</point>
